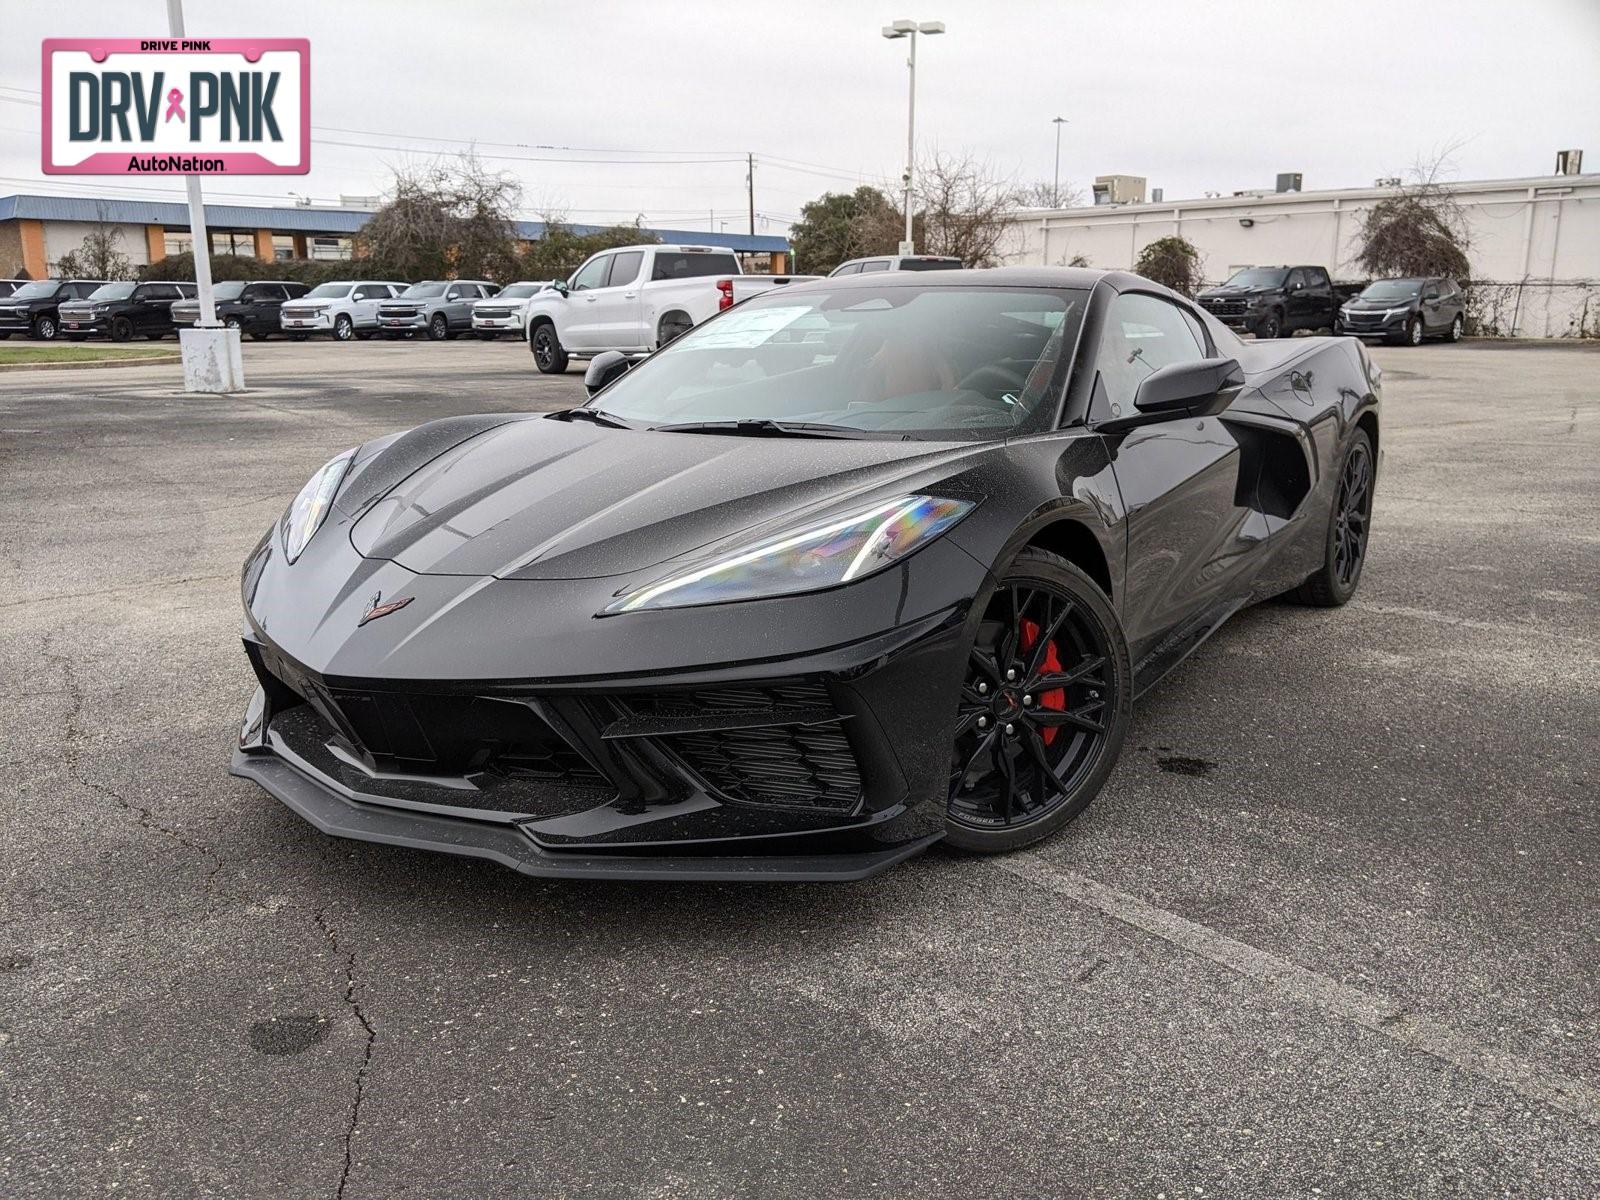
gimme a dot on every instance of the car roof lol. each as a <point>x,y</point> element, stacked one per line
<point>1073,277</point>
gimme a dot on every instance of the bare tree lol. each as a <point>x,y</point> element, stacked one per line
<point>453,217</point>
<point>1419,229</point>
<point>1172,261</point>
<point>98,256</point>
<point>963,208</point>
<point>1043,193</point>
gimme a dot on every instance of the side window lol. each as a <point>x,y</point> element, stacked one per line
<point>188,291</point>
<point>1142,334</point>
<point>1297,278</point>
<point>877,264</point>
<point>624,268</point>
<point>592,274</point>
<point>849,269</point>
<point>161,291</point>
<point>370,291</point>
<point>454,292</point>
<point>690,264</point>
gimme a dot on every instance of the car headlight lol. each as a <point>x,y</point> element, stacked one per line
<point>818,556</point>
<point>311,506</point>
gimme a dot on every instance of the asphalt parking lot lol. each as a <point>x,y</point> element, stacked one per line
<point>1331,930</point>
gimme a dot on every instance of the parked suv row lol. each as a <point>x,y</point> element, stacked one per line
<point>345,309</point>
<point>250,306</point>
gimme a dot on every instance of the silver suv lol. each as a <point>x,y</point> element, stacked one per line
<point>440,307</point>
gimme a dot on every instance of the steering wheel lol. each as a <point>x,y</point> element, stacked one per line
<point>992,380</point>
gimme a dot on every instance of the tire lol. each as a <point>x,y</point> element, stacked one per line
<point>438,327</point>
<point>1414,332</point>
<point>487,335</point>
<point>77,337</point>
<point>1337,328</point>
<point>45,328</point>
<point>1016,736</point>
<point>233,323</point>
<point>344,329</point>
<point>548,355</point>
<point>1349,530</point>
<point>1268,327</point>
<point>257,336</point>
<point>1456,327</point>
<point>121,329</point>
<point>672,327</point>
<point>5,335</point>
<point>154,337</point>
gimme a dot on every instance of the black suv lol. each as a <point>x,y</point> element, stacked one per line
<point>35,307</point>
<point>122,310</point>
<point>1408,310</point>
<point>1275,301</point>
<point>251,306</point>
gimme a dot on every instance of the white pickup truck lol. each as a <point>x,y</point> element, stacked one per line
<point>636,299</point>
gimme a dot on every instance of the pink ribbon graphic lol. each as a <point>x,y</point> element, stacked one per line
<point>175,105</point>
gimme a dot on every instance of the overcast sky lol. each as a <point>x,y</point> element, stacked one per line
<point>1195,96</point>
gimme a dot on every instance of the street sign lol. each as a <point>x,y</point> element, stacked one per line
<point>177,106</point>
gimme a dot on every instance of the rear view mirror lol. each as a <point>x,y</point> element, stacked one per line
<point>604,368</point>
<point>1198,388</point>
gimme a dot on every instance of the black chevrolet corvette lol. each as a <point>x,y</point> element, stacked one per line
<point>855,566</point>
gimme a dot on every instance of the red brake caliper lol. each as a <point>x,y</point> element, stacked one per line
<point>1056,699</point>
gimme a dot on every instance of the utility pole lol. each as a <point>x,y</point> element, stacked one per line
<point>900,29</point>
<point>750,184</point>
<point>1055,188</point>
<point>211,360</point>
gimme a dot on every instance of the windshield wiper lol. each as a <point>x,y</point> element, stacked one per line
<point>764,427</point>
<point>598,415</point>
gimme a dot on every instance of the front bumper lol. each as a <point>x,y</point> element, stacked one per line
<point>1383,326</point>
<point>320,322</point>
<point>15,323</point>
<point>78,325</point>
<point>416,322</point>
<point>498,324</point>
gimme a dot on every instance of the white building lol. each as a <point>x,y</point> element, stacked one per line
<point>1535,243</point>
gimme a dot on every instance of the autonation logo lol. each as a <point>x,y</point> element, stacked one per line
<point>211,106</point>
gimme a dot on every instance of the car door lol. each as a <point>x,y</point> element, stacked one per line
<point>262,302</point>
<point>364,300</point>
<point>615,310</point>
<point>151,310</point>
<point>1178,478</point>
<point>1431,306</point>
<point>1318,298</point>
<point>1294,300</point>
<point>578,330</point>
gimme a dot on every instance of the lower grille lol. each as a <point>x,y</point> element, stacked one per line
<point>792,753</point>
<point>1225,308</point>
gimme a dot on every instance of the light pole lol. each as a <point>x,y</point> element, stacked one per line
<point>1055,188</point>
<point>910,29</point>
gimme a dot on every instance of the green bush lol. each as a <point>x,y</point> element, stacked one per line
<point>310,271</point>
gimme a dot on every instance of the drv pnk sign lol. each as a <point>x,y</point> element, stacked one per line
<point>177,106</point>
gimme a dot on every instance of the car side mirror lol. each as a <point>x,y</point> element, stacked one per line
<point>604,369</point>
<point>560,287</point>
<point>1198,389</point>
<point>1431,296</point>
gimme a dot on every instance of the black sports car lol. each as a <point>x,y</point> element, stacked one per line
<point>855,566</point>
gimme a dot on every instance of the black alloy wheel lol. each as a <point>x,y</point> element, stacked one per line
<point>44,328</point>
<point>233,323</point>
<point>439,327</point>
<point>121,329</point>
<point>1349,529</point>
<point>1455,328</point>
<point>548,355</point>
<point>344,329</point>
<point>1414,331</point>
<point>1268,327</point>
<point>1044,707</point>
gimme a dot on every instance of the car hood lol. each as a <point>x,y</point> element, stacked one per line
<point>319,302</point>
<point>549,499</point>
<point>1360,305</point>
<point>1232,293</point>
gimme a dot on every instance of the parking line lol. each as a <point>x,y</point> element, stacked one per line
<point>1374,1012</point>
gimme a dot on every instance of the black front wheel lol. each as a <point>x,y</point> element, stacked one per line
<point>1045,706</point>
<point>1268,327</point>
<point>1349,528</point>
<point>1456,328</point>
<point>548,355</point>
<point>121,329</point>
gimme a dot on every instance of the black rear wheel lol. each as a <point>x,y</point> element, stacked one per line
<point>1270,326</point>
<point>1044,707</point>
<point>1349,527</point>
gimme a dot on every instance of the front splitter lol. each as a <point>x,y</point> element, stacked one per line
<point>510,847</point>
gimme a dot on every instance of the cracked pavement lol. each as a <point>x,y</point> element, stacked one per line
<point>1331,930</point>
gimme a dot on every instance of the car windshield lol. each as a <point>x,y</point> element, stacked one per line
<point>41,290</point>
<point>1257,277</point>
<point>1392,289</point>
<point>112,291</point>
<point>519,291</point>
<point>936,363</point>
<point>421,291</point>
<point>230,290</point>
<point>329,291</point>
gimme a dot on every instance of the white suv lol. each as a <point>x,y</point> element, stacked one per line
<point>345,309</point>
<point>504,311</point>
